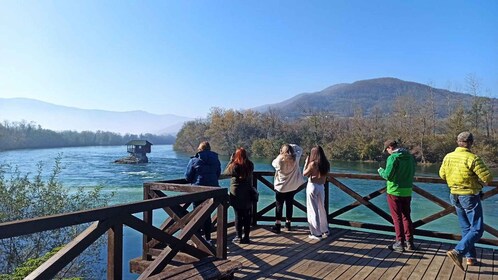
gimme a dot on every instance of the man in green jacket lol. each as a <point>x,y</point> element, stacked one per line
<point>465,173</point>
<point>399,172</point>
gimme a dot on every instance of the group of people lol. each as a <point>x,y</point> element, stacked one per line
<point>287,180</point>
<point>464,172</point>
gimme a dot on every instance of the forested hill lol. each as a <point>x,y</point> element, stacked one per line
<point>22,135</point>
<point>371,96</point>
<point>351,122</point>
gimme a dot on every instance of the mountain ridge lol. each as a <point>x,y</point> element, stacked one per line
<point>60,117</point>
<point>371,95</point>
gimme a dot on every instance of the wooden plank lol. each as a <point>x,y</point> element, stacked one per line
<point>449,270</point>
<point>64,256</point>
<point>156,233</point>
<point>170,272</point>
<point>295,245</point>
<point>357,203</point>
<point>380,243</point>
<point>360,199</point>
<point>115,252</point>
<point>447,267</point>
<point>370,252</point>
<point>248,255</point>
<point>221,230</point>
<point>301,262</point>
<point>202,212</point>
<point>147,218</point>
<point>268,247</point>
<point>361,246</point>
<point>198,269</point>
<point>216,270</point>
<point>495,263</point>
<point>416,265</point>
<point>370,264</point>
<point>486,265</point>
<point>389,258</point>
<point>472,272</point>
<point>430,269</point>
<point>310,263</point>
<point>287,256</point>
<point>22,227</point>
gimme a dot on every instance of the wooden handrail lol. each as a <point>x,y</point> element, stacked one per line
<point>179,232</point>
<point>110,220</point>
<point>335,180</point>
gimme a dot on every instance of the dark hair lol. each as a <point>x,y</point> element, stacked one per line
<point>245,166</point>
<point>318,155</point>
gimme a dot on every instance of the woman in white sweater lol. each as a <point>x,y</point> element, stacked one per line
<point>288,178</point>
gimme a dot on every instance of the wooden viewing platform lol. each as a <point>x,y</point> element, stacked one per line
<point>349,254</point>
<point>176,250</point>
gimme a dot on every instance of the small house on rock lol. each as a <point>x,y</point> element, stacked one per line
<point>137,150</point>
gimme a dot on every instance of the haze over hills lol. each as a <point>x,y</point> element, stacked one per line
<point>59,118</point>
<point>369,95</point>
<point>374,95</point>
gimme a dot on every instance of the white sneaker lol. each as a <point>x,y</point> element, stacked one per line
<point>325,234</point>
<point>313,237</point>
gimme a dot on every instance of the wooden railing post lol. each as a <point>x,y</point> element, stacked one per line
<point>327,191</point>
<point>254,209</point>
<point>115,252</point>
<point>147,219</point>
<point>221,230</point>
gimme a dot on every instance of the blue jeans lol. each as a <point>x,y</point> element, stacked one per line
<point>469,212</point>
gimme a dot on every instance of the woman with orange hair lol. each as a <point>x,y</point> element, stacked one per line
<point>240,168</point>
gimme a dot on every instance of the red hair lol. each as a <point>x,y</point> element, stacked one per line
<point>240,159</point>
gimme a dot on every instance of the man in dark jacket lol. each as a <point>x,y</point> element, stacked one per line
<point>204,169</point>
<point>399,172</point>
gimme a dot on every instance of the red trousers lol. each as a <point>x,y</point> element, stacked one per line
<point>400,212</point>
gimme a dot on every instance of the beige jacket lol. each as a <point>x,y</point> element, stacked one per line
<point>288,176</point>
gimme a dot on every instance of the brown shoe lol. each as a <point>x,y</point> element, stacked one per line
<point>456,258</point>
<point>471,262</point>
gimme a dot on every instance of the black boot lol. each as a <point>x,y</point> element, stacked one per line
<point>288,226</point>
<point>276,228</point>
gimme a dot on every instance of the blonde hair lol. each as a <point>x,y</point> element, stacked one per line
<point>288,152</point>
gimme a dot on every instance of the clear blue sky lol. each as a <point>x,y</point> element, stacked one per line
<point>184,57</point>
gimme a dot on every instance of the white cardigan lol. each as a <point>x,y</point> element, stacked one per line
<point>288,175</point>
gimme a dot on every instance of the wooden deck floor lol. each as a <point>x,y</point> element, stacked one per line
<point>349,254</point>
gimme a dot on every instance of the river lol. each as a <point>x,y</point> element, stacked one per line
<point>92,166</point>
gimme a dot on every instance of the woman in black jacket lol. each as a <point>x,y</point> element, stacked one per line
<point>240,169</point>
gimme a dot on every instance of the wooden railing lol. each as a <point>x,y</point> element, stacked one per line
<point>334,179</point>
<point>177,234</point>
<point>180,231</point>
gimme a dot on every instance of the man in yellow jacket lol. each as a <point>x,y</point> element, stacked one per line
<point>465,174</point>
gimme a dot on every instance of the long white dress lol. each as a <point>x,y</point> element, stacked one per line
<point>315,203</point>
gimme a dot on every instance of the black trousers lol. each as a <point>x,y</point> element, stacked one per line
<point>243,222</point>
<point>282,198</point>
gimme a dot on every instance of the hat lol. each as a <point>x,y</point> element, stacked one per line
<point>390,143</point>
<point>465,137</point>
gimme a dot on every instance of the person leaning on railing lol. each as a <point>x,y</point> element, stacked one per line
<point>204,169</point>
<point>462,170</point>
<point>316,168</point>
<point>240,169</point>
<point>399,172</point>
<point>288,178</point>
